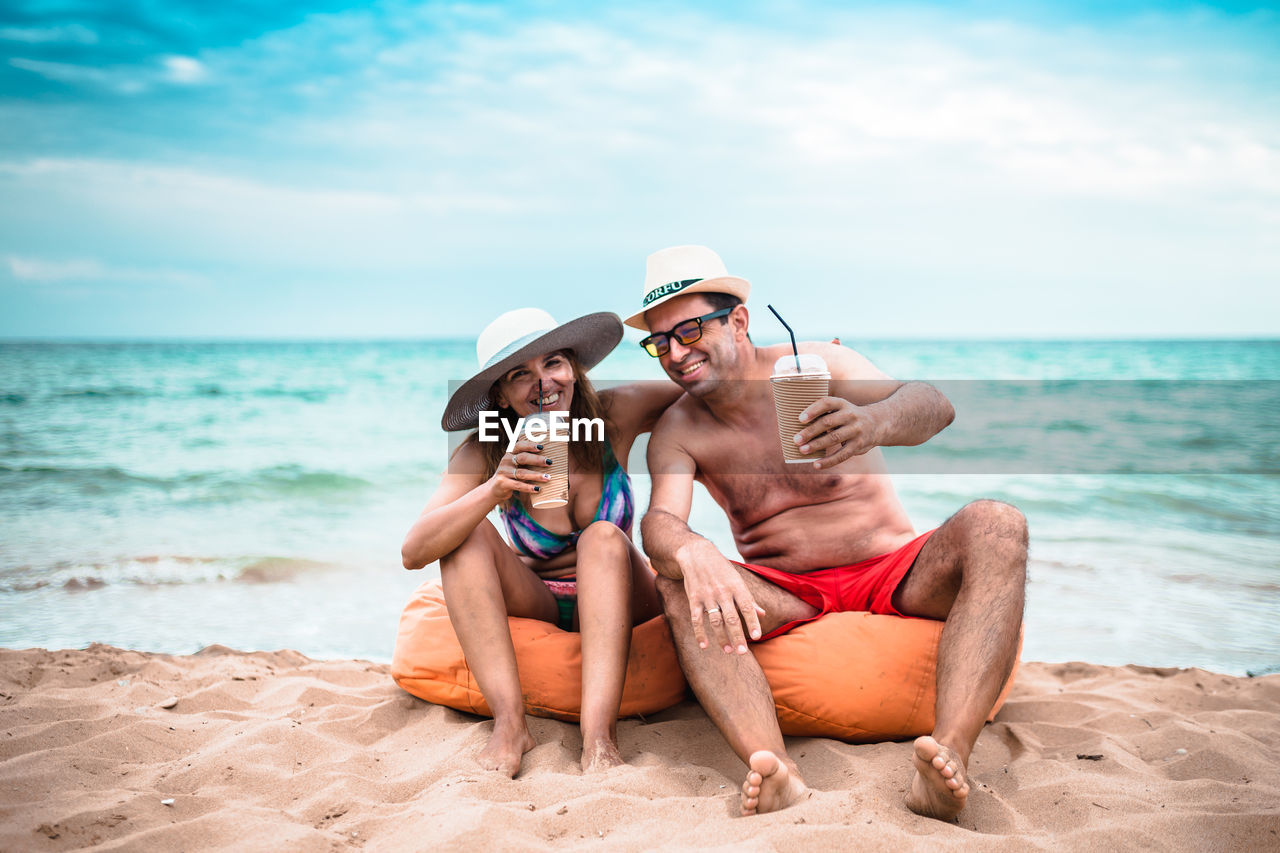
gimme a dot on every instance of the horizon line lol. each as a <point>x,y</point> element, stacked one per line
<point>232,339</point>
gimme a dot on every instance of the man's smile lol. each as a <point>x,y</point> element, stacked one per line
<point>690,369</point>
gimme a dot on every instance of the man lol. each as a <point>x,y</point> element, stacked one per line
<point>816,537</point>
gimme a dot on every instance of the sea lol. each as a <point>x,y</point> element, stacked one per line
<point>170,495</point>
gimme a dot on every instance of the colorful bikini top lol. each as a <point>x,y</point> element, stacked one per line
<point>531,539</point>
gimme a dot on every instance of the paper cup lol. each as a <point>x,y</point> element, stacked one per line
<point>554,492</point>
<point>793,392</point>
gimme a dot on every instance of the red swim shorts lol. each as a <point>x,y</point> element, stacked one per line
<point>867,585</point>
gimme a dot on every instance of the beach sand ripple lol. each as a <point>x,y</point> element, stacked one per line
<point>271,751</point>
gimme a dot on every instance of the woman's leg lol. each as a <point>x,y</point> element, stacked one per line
<point>484,582</point>
<point>645,601</point>
<point>606,587</point>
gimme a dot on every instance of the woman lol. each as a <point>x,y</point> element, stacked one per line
<point>574,565</point>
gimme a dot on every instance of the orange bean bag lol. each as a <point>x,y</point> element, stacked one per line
<point>428,662</point>
<point>858,677</point>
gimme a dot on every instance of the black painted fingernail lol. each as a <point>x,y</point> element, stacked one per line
<point>549,462</point>
<point>539,446</point>
<point>537,488</point>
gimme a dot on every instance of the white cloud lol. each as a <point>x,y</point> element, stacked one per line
<point>37,269</point>
<point>123,79</point>
<point>184,69</point>
<point>1065,112</point>
<point>63,72</point>
<point>234,221</point>
<point>88,270</point>
<point>192,189</point>
<point>70,34</point>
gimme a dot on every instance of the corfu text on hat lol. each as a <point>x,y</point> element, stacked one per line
<point>562,428</point>
<point>669,287</point>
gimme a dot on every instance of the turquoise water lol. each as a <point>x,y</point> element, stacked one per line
<point>166,496</point>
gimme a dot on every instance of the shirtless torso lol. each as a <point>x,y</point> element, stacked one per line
<point>788,516</point>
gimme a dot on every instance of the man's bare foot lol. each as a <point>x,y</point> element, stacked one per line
<point>939,789</point>
<point>770,785</point>
<point>507,745</point>
<point>600,755</point>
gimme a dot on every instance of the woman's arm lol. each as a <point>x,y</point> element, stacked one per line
<point>462,500</point>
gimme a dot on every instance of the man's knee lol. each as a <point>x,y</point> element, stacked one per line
<point>994,542</point>
<point>986,520</point>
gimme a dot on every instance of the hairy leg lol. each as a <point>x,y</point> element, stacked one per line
<point>605,591</point>
<point>484,582</point>
<point>972,573</point>
<point>736,696</point>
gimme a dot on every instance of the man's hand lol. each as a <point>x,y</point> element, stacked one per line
<point>840,428</point>
<point>720,605</point>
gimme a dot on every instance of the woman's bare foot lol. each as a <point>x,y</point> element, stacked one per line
<point>939,789</point>
<point>600,754</point>
<point>507,745</point>
<point>770,785</point>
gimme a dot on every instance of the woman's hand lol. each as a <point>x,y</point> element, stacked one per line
<point>522,469</point>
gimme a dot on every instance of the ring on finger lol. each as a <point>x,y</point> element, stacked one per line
<point>711,610</point>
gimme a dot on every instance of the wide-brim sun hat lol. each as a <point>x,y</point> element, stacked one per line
<point>516,337</point>
<point>673,272</point>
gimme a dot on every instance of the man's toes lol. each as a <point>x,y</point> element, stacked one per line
<point>751,792</point>
<point>927,753</point>
<point>760,766</point>
<point>764,763</point>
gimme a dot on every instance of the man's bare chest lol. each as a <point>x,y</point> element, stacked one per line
<point>747,476</point>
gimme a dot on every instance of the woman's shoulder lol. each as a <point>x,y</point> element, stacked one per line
<point>467,457</point>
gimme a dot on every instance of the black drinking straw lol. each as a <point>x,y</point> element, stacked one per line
<point>540,396</point>
<point>794,350</point>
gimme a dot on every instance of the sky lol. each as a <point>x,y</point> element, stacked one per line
<point>400,170</point>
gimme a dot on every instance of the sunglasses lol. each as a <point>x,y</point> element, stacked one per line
<point>686,332</point>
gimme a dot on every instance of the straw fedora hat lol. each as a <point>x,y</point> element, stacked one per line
<point>684,269</point>
<point>518,336</point>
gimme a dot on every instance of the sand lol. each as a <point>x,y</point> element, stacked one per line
<point>274,751</point>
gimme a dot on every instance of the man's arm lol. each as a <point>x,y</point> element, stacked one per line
<point>911,415</point>
<point>665,529</point>
<point>868,409</point>
<point>719,602</point>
